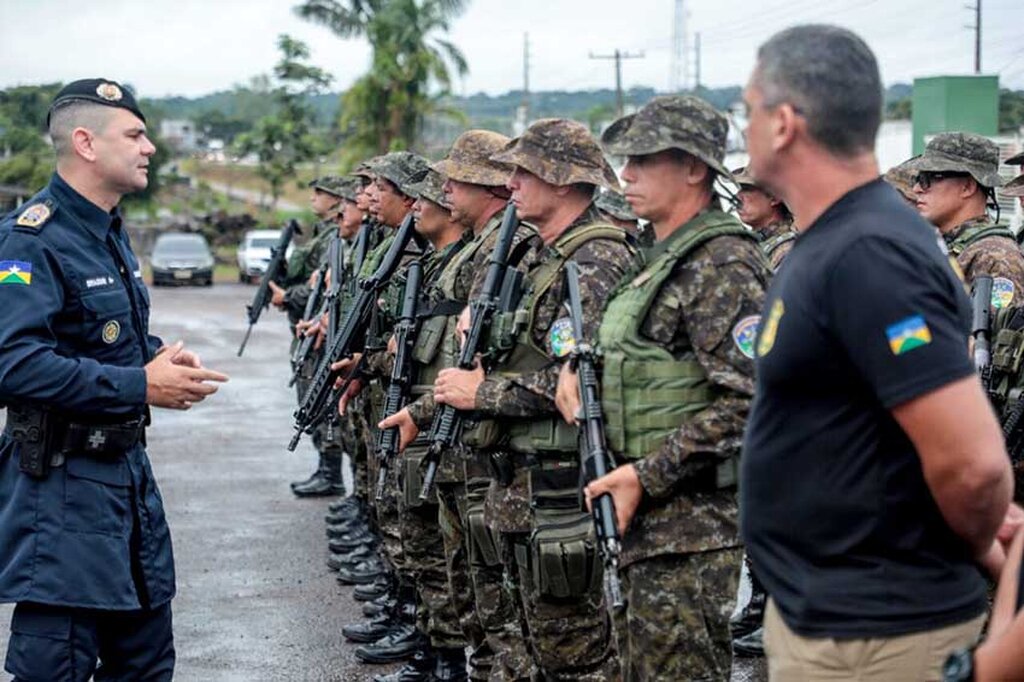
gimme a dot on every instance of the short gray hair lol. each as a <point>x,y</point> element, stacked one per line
<point>831,77</point>
<point>72,114</point>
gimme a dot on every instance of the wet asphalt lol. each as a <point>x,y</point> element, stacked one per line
<point>255,599</point>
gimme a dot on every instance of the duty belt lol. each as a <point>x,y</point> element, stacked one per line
<point>62,437</point>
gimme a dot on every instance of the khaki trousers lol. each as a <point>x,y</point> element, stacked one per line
<point>918,656</point>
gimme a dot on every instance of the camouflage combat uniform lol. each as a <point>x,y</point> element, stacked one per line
<point>534,458</point>
<point>685,325</point>
<point>777,238</point>
<point>481,601</point>
<point>979,246</point>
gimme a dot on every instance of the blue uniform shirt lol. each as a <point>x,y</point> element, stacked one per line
<point>74,337</point>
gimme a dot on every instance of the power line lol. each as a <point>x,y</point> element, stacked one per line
<point>618,56</point>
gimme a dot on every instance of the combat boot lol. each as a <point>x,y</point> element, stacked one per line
<point>749,645</point>
<point>326,483</point>
<point>336,561</point>
<point>316,472</point>
<point>419,669</point>
<point>346,515</point>
<point>399,644</point>
<point>347,543</point>
<point>450,665</point>
<point>379,605</point>
<point>378,588</point>
<point>345,504</point>
<point>372,630</point>
<point>362,573</point>
<point>338,530</point>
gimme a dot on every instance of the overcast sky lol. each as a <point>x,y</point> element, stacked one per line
<point>194,47</point>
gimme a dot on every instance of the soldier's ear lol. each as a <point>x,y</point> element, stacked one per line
<point>968,187</point>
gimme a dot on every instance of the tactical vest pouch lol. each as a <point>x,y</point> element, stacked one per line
<point>563,556</point>
<point>429,339</point>
<point>538,436</point>
<point>483,547</point>
<point>483,435</point>
<point>411,476</point>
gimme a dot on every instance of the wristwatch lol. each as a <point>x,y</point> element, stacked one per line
<point>959,667</point>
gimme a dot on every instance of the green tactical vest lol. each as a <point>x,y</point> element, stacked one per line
<point>975,233</point>
<point>772,244</point>
<point>646,393</point>
<point>511,331</point>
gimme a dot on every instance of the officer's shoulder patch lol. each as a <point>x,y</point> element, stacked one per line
<point>36,215</point>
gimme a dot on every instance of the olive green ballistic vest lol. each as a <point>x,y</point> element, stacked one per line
<point>973,234</point>
<point>646,393</point>
<point>511,333</point>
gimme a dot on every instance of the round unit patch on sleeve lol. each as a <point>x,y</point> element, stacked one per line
<point>111,330</point>
<point>560,338</point>
<point>1002,292</point>
<point>744,334</point>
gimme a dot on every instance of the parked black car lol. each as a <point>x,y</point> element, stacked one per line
<point>181,258</point>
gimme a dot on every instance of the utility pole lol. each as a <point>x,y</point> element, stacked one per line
<point>618,56</point>
<point>696,61</point>
<point>977,34</point>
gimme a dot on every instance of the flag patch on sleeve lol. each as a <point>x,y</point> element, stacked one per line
<point>15,272</point>
<point>908,334</point>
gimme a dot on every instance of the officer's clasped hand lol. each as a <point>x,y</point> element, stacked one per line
<point>176,378</point>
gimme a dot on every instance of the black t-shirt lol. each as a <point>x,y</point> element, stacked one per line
<point>865,314</point>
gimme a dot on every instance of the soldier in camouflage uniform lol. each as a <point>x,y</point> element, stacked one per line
<point>614,207</point>
<point>677,381</point>
<point>533,456</point>
<point>767,216</point>
<point>956,179</point>
<point>475,189</point>
<point>901,177</point>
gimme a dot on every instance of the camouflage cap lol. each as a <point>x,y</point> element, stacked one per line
<point>1014,188</point>
<point>615,205</point>
<point>331,184</point>
<point>469,159</point>
<point>402,169</point>
<point>365,168</point>
<point>431,187</point>
<point>744,179</point>
<point>901,177</point>
<point>682,122</point>
<point>962,153</point>
<point>1015,160</point>
<point>559,152</point>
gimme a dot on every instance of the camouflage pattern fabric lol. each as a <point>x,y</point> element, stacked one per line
<point>961,153</point>
<point>304,261</point>
<point>423,549</point>
<point>431,188</point>
<point>451,497</point>
<point>996,256</point>
<point>560,152</point>
<point>709,297</point>
<point>569,639</point>
<point>469,159</point>
<point>335,185</point>
<point>777,229</point>
<point>676,625</point>
<point>682,122</point>
<point>615,205</point>
<point>1014,188</point>
<point>402,169</point>
<point>902,178</point>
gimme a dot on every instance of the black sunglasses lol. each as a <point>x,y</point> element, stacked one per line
<point>926,178</point>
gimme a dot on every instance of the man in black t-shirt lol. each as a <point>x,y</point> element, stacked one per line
<point>874,476</point>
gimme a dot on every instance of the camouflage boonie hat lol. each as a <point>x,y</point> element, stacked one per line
<point>560,152</point>
<point>962,153</point>
<point>902,178</point>
<point>1014,188</point>
<point>332,184</point>
<point>431,188</point>
<point>615,205</point>
<point>682,122</point>
<point>744,179</point>
<point>1015,160</point>
<point>365,168</point>
<point>402,169</point>
<point>469,159</point>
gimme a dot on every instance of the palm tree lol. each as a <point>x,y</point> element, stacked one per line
<point>410,72</point>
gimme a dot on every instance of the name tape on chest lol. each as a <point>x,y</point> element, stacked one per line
<point>94,282</point>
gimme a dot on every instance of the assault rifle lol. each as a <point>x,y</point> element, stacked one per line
<point>981,327</point>
<point>595,460</point>
<point>317,402</point>
<point>448,421</point>
<point>261,299</point>
<point>313,310</point>
<point>401,375</point>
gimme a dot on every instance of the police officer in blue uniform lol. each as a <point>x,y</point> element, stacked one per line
<point>86,552</point>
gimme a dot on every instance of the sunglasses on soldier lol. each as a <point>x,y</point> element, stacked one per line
<point>926,178</point>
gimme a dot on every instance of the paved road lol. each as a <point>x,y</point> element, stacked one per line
<point>255,599</point>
